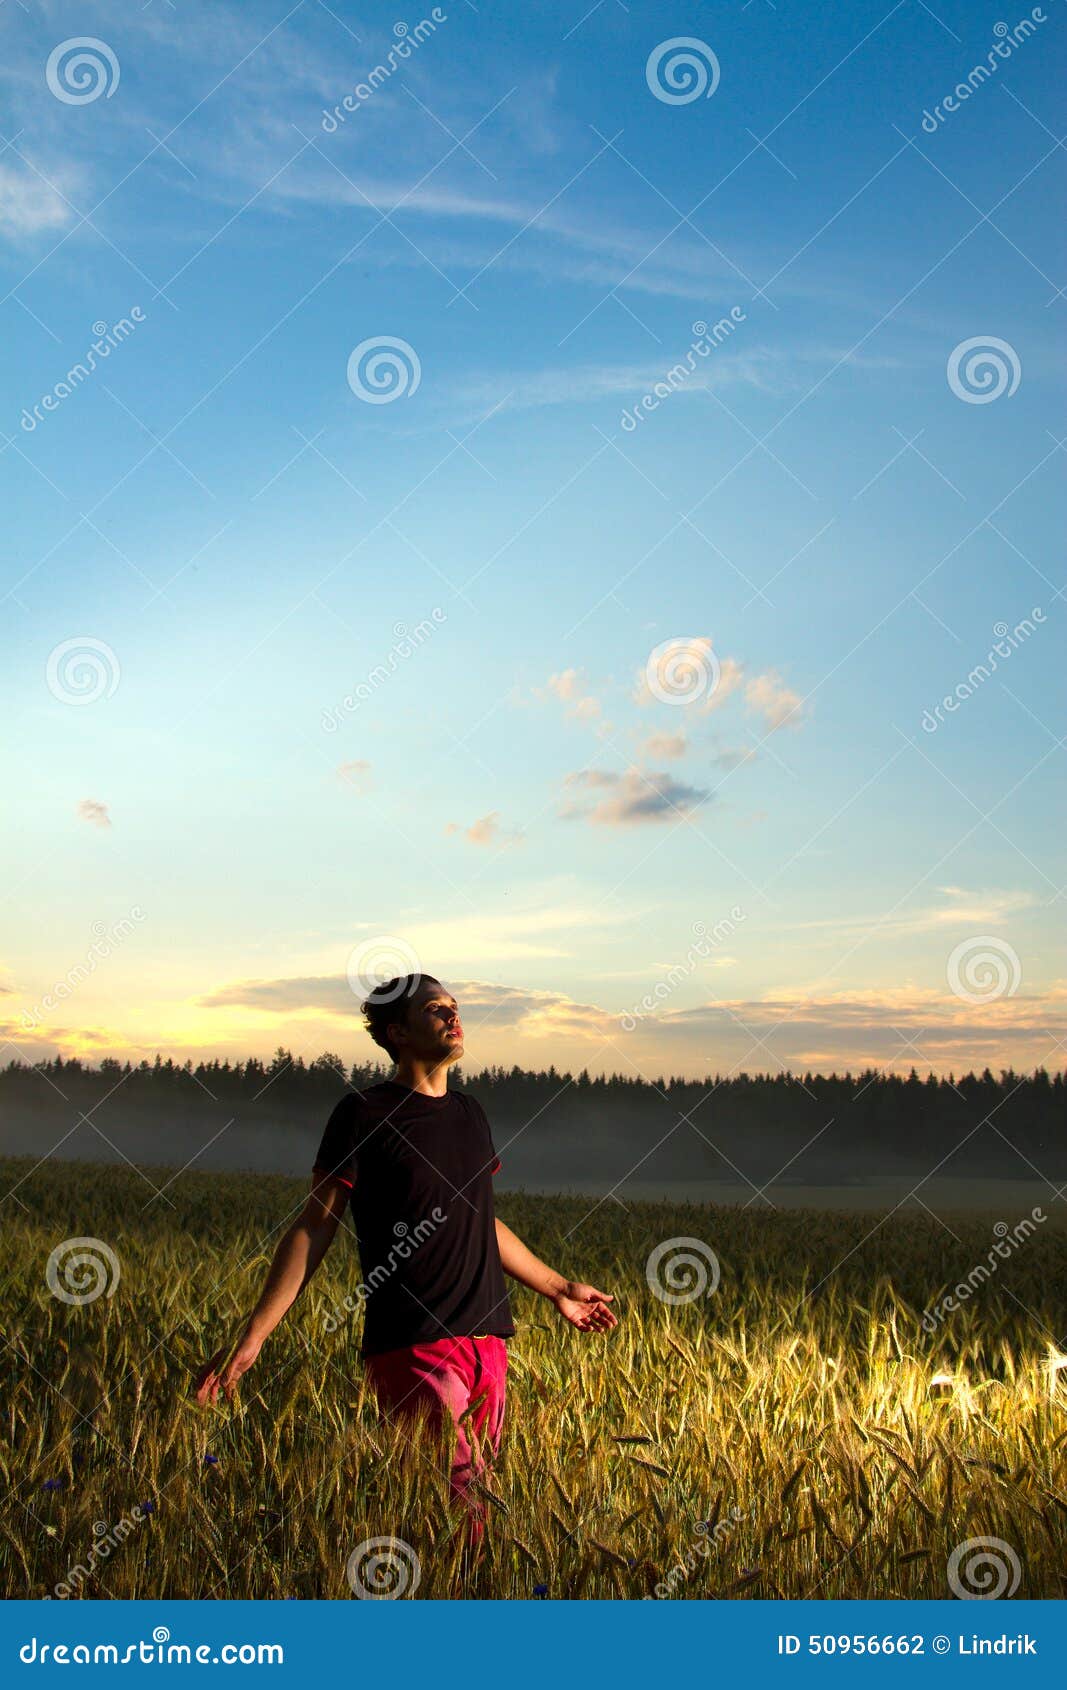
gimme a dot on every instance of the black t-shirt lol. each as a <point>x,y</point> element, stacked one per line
<point>420,1169</point>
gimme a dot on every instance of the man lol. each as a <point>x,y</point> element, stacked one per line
<point>416,1161</point>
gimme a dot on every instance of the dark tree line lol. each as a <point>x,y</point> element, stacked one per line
<point>888,1116</point>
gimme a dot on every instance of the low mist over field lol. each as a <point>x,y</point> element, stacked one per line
<point>843,1141</point>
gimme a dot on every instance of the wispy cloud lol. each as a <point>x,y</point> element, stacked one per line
<point>937,1021</point>
<point>963,910</point>
<point>488,1006</point>
<point>28,205</point>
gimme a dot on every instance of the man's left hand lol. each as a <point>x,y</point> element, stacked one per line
<point>586,1307</point>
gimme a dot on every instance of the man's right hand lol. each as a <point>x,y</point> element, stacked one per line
<point>217,1372</point>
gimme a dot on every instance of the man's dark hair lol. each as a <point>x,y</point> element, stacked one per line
<point>388,1003</point>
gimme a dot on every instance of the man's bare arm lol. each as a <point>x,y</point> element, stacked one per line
<point>299,1252</point>
<point>583,1305</point>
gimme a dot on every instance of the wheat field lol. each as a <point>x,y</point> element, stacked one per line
<point>794,1432</point>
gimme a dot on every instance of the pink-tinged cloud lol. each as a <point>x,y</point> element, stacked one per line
<point>731,674</point>
<point>486,1006</point>
<point>892,1029</point>
<point>93,812</point>
<point>693,676</point>
<point>355,773</point>
<point>486,831</point>
<point>567,686</point>
<point>767,696</point>
<point>628,799</point>
<point>669,746</point>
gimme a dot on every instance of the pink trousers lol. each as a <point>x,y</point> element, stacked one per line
<point>461,1380</point>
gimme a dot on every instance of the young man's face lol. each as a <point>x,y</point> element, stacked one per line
<point>432,1030</point>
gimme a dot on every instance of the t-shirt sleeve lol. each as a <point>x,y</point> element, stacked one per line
<point>338,1152</point>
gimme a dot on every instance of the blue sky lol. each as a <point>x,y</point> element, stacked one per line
<point>776,854</point>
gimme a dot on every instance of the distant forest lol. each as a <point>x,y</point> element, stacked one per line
<point>553,1128</point>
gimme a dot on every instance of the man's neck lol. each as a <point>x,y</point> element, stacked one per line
<point>431,1080</point>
